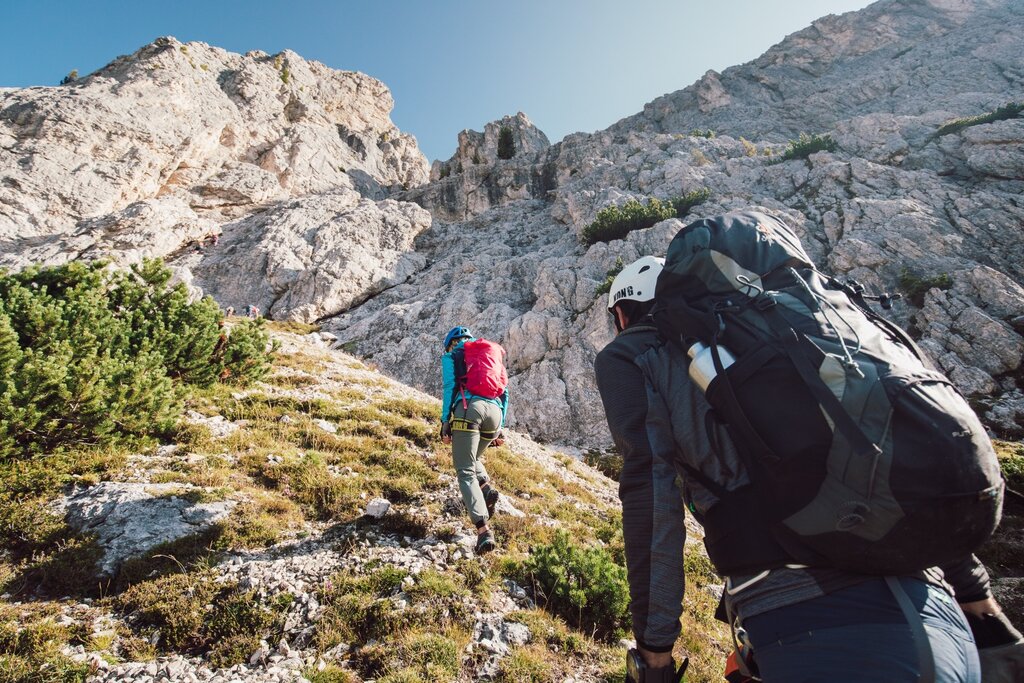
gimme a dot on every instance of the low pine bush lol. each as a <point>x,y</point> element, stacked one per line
<point>584,586</point>
<point>806,145</point>
<point>683,204</point>
<point>1007,111</point>
<point>615,222</point>
<point>92,355</point>
<point>914,286</point>
<point>606,284</point>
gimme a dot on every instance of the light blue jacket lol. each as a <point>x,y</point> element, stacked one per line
<point>450,390</point>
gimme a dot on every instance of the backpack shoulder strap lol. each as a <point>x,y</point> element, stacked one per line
<point>459,361</point>
<point>793,343</point>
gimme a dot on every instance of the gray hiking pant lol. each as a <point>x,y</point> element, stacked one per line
<point>473,428</point>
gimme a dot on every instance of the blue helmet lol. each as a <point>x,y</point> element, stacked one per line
<point>456,333</point>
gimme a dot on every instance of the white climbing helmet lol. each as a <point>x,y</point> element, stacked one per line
<point>636,281</point>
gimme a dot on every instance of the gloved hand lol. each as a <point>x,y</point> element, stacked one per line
<point>499,440</point>
<point>446,432</point>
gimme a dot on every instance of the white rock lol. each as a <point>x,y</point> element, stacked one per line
<point>377,507</point>
<point>326,426</point>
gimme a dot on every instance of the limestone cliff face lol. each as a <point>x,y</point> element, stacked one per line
<point>901,57</point>
<point>324,211</point>
<point>163,146</point>
<point>476,178</point>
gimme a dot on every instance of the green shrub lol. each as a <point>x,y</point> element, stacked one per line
<point>615,222</point>
<point>607,463</point>
<point>506,145</point>
<point>683,204</point>
<point>244,357</point>
<point>1007,111</point>
<point>606,285</point>
<point>92,355</point>
<point>702,133</point>
<point>582,585</point>
<point>806,145</point>
<point>914,287</point>
<point>1013,470</point>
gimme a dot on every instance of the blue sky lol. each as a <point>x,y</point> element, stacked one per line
<point>570,65</point>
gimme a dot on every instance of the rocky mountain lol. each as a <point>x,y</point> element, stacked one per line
<point>276,182</point>
<point>309,527</point>
<point>161,148</point>
<point>897,204</point>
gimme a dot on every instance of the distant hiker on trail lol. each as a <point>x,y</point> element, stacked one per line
<point>229,311</point>
<point>809,595</point>
<point>474,403</point>
<point>252,311</point>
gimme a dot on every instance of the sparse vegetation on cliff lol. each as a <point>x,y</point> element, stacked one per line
<point>806,145</point>
<point>915,286</point>
<point>1008,111</point>
<point>615,222</point>
<point>506,145</point>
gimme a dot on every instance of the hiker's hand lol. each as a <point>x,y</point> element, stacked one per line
<point>446,432</point>
<point>499,440</point>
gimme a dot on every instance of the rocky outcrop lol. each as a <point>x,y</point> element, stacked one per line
<point>162,146</point>
<point>129,519</point>
<point>520,274</point>
<point>310,258</point>
<point>895,206</point>
<point>477,178</point>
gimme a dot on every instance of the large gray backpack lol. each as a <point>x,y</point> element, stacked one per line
<point>864,458</point>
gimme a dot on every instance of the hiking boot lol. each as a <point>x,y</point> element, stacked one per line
<point>485,542</point>
<point>491,497</point>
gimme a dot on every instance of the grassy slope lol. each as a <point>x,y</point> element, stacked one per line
<point>295,482</point>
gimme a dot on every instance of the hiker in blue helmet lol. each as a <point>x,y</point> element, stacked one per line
<point>472,415</point>
<point>801,623</point>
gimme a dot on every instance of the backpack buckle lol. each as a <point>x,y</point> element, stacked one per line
<point>764,301</point>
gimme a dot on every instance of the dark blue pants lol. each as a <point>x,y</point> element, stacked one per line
<point>860,635</point>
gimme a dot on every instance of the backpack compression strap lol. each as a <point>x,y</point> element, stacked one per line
<point>793,343</point>
<point>925,658</point>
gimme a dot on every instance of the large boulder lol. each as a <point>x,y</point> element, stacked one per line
<point>312,257</point>
<point>129,519</point>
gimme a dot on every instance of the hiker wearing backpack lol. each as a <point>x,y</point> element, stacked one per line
<point>826,578</point>
<point>474,403</point>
